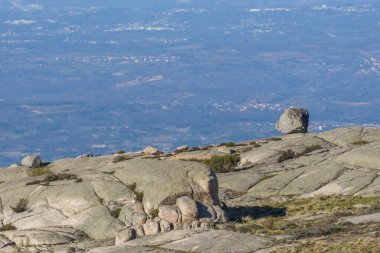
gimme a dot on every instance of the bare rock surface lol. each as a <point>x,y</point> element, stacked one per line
<point>172,204</point>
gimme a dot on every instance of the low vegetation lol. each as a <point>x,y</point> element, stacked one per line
<point>55,177</point>
<point>139,196</point>
<point>121,158</point>
<point>132,186</point>
<point>21,206</point>
<point>39,171</point>
<point>274,139</point>
<point>115,213</point>
<point>153,213</point>
<point>223,164</point>
<point>227,144</point>
<point>7,227</point>
<point>255,144</point>
<point>361,142</point>
<point>290,154</point>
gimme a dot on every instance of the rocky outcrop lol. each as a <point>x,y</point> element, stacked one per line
<point>140,202</point>
<point>31,161</point>
<point>293,120</point>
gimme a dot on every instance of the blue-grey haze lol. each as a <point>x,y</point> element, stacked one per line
<point>101,76</point>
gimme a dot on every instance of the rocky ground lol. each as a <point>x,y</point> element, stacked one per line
<point>294,193</point>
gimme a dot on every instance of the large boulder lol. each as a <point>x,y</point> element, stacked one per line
<point>151,150</point>
<point>31,161</point>
<point>293,120</point>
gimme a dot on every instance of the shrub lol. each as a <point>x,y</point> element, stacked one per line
<point>287,155</point>
<point>55,177</point>
<point>7,227</point>
<point>21,206</point>
<point>255,144</point>
<point>153,213</point>
<point>223,164</point>
<point>115,213</point>
<point>139,196</point>
<point>360,142</point>
<point>227,144</point>
<point>267,222</point>
<point>274,139</point>
<point>39,171</point>
<point>132,186</point>
<point>121,158</point>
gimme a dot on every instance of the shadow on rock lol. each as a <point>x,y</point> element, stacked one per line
<point>255,212</point>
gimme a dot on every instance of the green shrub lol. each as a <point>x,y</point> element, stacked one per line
<point>223,164</point>
<point>286,155</point>
<point>55,177</point>
<point>360,142</point>
<point>139,196</point>
<point>7,227</point>
<point>227,144</point>
<point>153,213</point>
<point>115,213</point>
<point>121,158</point>
<point>21,206</point>
<point>255,144</point>
<point>39,171</point>
<point>274,139</point>
<point>132,186</point>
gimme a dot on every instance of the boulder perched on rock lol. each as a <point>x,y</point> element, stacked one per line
<point>31,161</point>
<point>125,236</point>
<point>151,150</point>
<point>293,120</point>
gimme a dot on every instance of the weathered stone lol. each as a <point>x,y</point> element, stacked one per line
<point>224,150</point>
<point>151,150</point>
<point>186,226</point>
<point>165,226</point>
<point>182,148</point>
<point>188,208</point>
<point>205,226</point>
<point>177,226</point>
<point>293,120</point>
<point>151,227</point>
<point>169,213</point>
<point>85,156</point>
<point>196,225</point>
<point>31,161</point>
<point>125,235</point>
<point>140,231</point>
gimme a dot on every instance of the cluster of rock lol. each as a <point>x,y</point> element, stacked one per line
<point>123,198</point>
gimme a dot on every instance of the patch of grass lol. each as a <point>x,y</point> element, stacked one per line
<point>115,213</point>
<point>255,144</point>
<point>132,186</point>
<point>286,155</point>
<point>119,152</point>
<point>361,142</point>
<point>121,158</point>
<point>274,139</point>
<point>290,154</point>
<point>109,172</point>
<point>354,245</point>
<point>54,177</point>
<point>79,180</point>
<point>21,206</point>
<point>223,164</point>
<point>153,213</point>
<point>39,171</point>
<point>139,196</point>
<point>227,144</point>
<point>7,227</point>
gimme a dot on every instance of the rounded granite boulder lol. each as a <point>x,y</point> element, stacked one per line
<point>293,120</point>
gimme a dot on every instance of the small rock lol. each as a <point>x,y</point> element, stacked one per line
<point>182,148</point>
<point>169,213</point>
<point>186,226</point>
<point>224,150</point>
<point>140,231</point>
<point>188,208</point>
<point>178,226</point>
<point>293,120</point>
<point>165,226</point>
<point>31,161</point>
<point>157,219</point>
<point>125,236</point>
<point>196,225</point>
<point>205,226</point>
<point>151,150</point>
<point>85,155</point>
<point>151,228</point>
<point>13,166</point>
